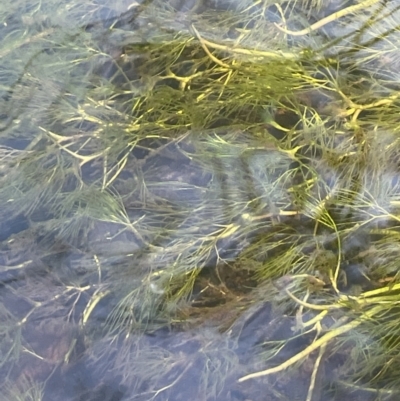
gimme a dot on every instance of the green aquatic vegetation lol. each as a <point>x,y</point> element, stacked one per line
<point>153,157</point>
<point>25,391</point>
<point>367,329</point>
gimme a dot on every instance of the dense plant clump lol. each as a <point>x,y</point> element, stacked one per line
<point>201,192</point>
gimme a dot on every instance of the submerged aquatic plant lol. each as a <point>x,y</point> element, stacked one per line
<point>153,166</point>
<point>24,391</point>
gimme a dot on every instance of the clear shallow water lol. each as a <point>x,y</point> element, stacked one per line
<point>193,193</point>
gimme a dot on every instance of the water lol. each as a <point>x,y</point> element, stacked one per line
<point>199,200</point>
